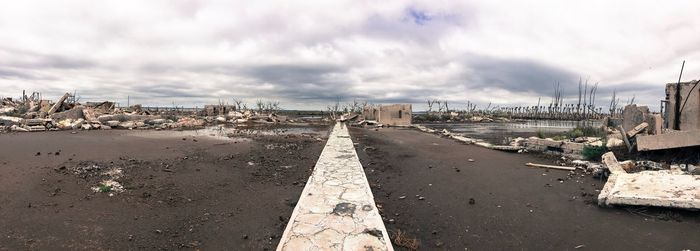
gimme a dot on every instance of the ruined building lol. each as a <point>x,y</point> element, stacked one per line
<point>395,115</point>
<point>682,106</point>
<point>215,110</point>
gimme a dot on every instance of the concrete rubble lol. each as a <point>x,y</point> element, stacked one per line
<point>645,182</point>
<point>32,114</point>
<point>676,127</point>
<point>639,136</point>
<point>673,187</point>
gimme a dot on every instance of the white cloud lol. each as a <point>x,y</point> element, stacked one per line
<point>305,53</point>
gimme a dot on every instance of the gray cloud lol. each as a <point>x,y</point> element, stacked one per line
<point>286,74</point>
<point>516,75</point>
<point>8,73</point>
<point>309,53</point>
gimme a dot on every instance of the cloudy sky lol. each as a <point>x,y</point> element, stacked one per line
<point>307,53</point>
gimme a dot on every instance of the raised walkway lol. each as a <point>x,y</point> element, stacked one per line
<point>336,210</point>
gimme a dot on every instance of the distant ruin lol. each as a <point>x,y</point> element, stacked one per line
<point>393,115</point>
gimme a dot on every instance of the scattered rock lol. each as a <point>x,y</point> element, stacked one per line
<point>439,243</point>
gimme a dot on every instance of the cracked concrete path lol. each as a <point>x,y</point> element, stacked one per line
<point>336,210</point>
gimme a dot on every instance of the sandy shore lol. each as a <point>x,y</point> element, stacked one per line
<point>182,189</point>
<point>497,203</point>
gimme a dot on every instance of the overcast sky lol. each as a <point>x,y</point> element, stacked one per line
<point>306,53</point>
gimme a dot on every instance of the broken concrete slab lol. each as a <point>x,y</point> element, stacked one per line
<point>611,162</point>
<point>7,120</point>
<point>90,114</point>
<point>59,103</point>
<point>36,128</point>
<point>637,129</point>
<point>623,135</point>
<point>676,139</point>
<point>16,128</point>
<point>7,109</point>
<point>74,114</point>
<point>33,122</point>
<point>651,188</point>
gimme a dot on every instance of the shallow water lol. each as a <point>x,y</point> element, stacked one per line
<point>234,133</point>
<point>502,132</point>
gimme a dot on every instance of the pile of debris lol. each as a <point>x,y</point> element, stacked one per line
<point>31,114</point>
<point>650,184</point>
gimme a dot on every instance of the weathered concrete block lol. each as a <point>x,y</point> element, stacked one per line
<point>74,114</point>
<point>112,123</point>
<point>670,140</point>
<point>634,115</point>
<point>656,124</point>
<point>651,188</point>
<point>611,162</point>
<point>572,147</point>
<point>7,120</point>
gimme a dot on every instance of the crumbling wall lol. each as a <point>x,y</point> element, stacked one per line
<point>216,110</point>
<point>395,115</point>
<point>370,112</point>
<point>690,114</point>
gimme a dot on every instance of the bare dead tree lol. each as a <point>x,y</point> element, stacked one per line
<point>240,104</point>
<point>334,109</point>
<point>430,105</point>
<point>557,99</point>
<point>260,105</point>
<point>580,95</point>
<point>613,103</point>
<point>591,95</point>
<point>355,106</point>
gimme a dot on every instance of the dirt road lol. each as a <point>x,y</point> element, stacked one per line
<point>430,190</point>
<point>182,189</point>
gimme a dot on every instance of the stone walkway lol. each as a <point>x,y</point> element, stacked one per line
<point>336,210</point>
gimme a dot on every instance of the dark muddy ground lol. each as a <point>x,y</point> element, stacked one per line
<point>182,189</point>
<point>497,203</point>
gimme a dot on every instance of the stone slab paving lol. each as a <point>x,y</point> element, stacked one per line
<point>336,210</point>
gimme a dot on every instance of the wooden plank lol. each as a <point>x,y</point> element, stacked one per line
<point>567,168</point>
